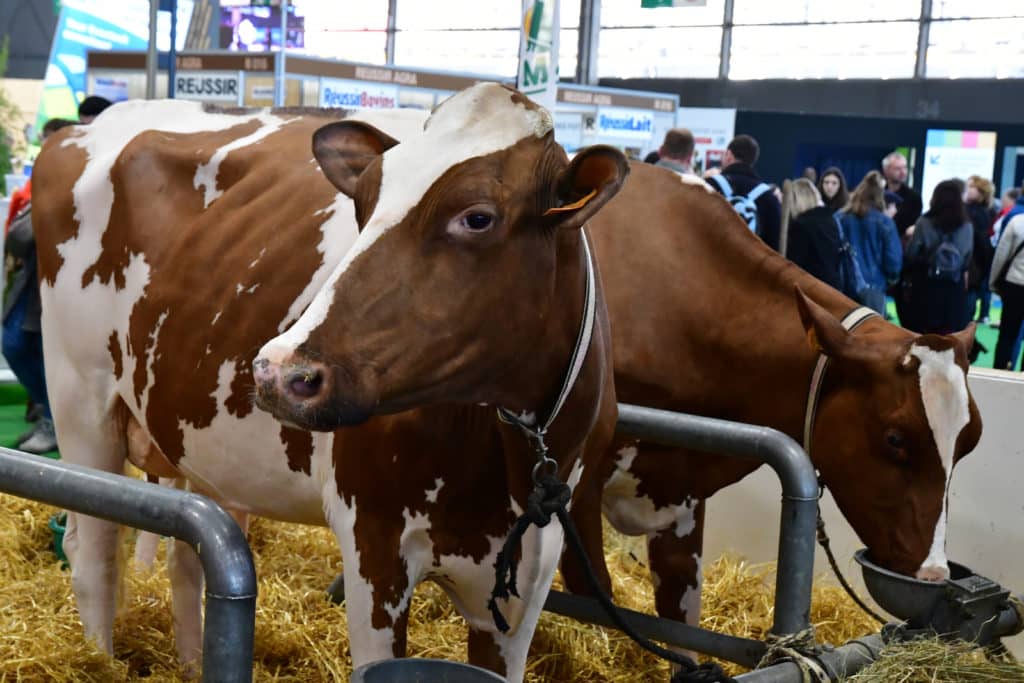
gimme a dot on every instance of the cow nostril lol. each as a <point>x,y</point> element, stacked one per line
<point>306,384</point>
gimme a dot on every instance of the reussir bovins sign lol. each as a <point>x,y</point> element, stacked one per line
<point>207,86</point>
<point>357,95</point>
<point>619,122</point>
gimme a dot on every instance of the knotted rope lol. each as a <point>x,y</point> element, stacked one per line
<point>800,649</point>
<point>549,497</point>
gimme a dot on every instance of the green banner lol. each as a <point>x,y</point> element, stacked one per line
<point>538,51</point>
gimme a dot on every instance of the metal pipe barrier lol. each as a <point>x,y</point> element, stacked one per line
<point>223,551</point>
<point>796,534</point>
<point>848,659</point>
<point>795,572</point>
<point>744,651</point>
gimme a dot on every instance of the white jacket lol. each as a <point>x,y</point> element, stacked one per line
<point>1013,236</point>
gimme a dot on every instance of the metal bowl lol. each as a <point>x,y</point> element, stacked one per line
<point>904,597</point>
<point>418,670</point>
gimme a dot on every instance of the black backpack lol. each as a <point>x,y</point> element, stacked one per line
<point>946,261</point>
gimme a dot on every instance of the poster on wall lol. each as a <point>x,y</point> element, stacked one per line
<point>712,130</point>
<point>956,154</point>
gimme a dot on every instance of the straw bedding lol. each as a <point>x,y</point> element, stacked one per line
<point>300,636</point>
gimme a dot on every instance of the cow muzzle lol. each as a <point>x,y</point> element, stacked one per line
<point>304,393</point>
<point>932,573</point>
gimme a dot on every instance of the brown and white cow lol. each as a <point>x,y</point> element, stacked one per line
<point>707,320</point>
<point>175,243</point>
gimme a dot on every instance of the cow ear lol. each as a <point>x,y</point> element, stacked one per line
<point>965,338</point>
<point>593,177</point>
<point>825,334</point>
<point>345,148</point>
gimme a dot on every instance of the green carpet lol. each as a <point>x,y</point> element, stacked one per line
<point>12,416</point>
<point>986,334</point>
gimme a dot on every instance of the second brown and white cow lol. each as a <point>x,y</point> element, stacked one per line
<point>708,320</point>
<point>175,243</point>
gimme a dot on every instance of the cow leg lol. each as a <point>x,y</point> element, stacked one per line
<point>146,546</point>
<point>185,572</point>
<point>586,515</point>
<point>483,650</point>
<point>674,555</point>
<point>506,653</point>
<point>186,575</point>
<point>147,543</point>
<point>378,586</point>
<point>376,627</point>
<point>90,543</point>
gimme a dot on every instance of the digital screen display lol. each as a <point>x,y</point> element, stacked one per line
<point>246,28</point>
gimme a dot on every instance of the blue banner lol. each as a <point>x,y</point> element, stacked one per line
<point>96,26</point>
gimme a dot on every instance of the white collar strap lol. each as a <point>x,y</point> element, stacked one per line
<point>851,321</point>
<point>579,354</point>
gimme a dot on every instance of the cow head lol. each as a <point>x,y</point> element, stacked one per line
<point>886,442</point>
<point>467,234</point>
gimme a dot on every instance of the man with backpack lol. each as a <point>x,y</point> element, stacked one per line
<point>747,192</point>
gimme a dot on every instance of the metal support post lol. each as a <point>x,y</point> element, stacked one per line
<point>799,492</point>
<point>212,533</point>
<point>151,56</point>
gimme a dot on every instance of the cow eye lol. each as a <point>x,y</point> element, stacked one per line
<point>896,443</point>
<point>474,222</point>
<point>477,221</point>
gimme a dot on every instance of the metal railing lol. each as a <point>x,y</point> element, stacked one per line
<point>223,551</point>
<point>796,535</point>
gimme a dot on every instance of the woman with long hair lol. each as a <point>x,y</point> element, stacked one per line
<point>832,186</point>
<point>938,256</point>
<point>811,233</point>
<point>979,199</point>
<point>874,238</point>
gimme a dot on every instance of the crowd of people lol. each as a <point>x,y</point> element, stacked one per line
<point>22,340</point>
<point>877,242</point>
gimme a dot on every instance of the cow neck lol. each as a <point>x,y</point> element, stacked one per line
<point>528,422</point>
<point>850,322</point>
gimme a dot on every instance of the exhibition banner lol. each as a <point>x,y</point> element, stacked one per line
<point>622,123</point>
<point>98,26</point>
<point>956,154</point>
<point>208,86</point>
<point>538,52</point>
<point>357,94</point>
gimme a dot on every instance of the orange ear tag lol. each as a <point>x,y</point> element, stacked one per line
<point>571,207</point>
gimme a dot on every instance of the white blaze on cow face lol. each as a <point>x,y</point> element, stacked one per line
<point>476,122</point>
<point>339,230</point>
<point>945,398</point>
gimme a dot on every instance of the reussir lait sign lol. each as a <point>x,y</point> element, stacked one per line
<point>619,122</point>
<point>207,86</point>
<point>357,94</point>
